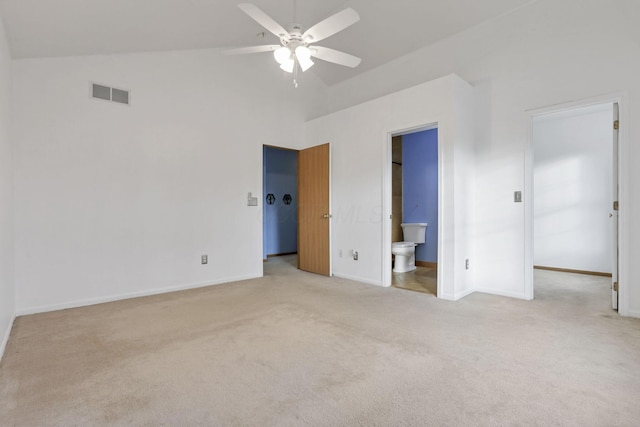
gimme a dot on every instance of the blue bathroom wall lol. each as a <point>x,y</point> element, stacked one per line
<point>280,221</point>
<point>420,187</point>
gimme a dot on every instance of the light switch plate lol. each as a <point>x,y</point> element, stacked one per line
<point>517,196</point>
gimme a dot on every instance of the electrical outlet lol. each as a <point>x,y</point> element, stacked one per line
<point>466,264</point>
<point>355,255</point>
<point>340,253</point>
<point>204,259</point>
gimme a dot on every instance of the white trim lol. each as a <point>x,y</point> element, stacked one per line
<point>330,219</point>
<point>387,206</point>
<point>623,196</point>
<point>632,313</point>
<point>360,279</point>
<point>5,340</point>
<point>102,300</point>
<point>624,161</point>
<point>460,295</point>
<point>509,294</point>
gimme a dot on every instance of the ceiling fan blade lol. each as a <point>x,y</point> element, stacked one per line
<point>331,25</point>
<point>263,19</point>
<point>335,56</point>
<point>251,49</point>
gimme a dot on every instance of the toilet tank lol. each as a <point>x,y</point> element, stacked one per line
<point>414,232</point>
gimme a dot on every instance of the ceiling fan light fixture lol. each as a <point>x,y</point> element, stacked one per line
<point>288,66</point>
<point>303,54</point>
<point>282,55</point>
<point>295,50</point>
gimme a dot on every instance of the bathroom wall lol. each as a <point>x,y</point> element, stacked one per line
<point>396,189</point>
<point>420,188</point>
<point>280,219</point>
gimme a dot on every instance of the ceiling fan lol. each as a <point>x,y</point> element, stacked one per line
<point>297,47</point>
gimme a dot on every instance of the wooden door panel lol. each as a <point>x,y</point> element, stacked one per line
<point>313,210</point>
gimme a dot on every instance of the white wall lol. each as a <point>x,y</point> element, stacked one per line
<point>548,53</point>
<point>359,138</point>
<point>114,201</point>
<point>573,189</point>
<point>7,294</point>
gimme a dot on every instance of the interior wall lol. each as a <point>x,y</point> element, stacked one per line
<point>420,188</point>
<point>517,63</point>
<point>573,189</point>
<point>360,136</point>
<point>281,220</point>
<point>114,201</point>
<point>7,287</point>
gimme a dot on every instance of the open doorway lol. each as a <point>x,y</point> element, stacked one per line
<point>280,192</point>
<point>575,232</point>
<point>414,210</point>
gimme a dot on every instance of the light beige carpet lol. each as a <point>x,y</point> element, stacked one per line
<point>295,349</point>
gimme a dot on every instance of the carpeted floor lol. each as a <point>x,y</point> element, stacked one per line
<point>295,349</point>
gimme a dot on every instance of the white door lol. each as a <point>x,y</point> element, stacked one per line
<point>614,211</point>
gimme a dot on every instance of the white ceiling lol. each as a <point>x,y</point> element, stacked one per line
<point>387,29</point>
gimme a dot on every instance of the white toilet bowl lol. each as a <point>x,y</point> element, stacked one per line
<point>405,256</point>
<point>405,252</point>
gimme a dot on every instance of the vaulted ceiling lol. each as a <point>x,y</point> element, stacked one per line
<point>388,28</point>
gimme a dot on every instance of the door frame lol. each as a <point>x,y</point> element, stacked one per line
<point>623,169</point>
<point>387,273</point>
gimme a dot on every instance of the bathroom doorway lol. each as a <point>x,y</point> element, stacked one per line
<point>280,192</point>
<point>414,200</point>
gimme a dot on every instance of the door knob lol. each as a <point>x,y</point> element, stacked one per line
<point>326,216</point>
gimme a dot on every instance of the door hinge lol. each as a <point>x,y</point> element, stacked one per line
<point>616,206</point>
<point>616,125</point>
<point>615,286</point>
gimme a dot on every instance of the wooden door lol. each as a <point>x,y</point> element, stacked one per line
<point>313,210</point>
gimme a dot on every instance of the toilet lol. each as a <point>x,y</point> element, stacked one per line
<point>405,252</point>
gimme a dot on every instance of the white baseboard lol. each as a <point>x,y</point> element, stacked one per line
<point>102,300</point>
<point>632,313</point>
<point>5,339</point>
<point>358,279</point>
<point>516,295</point>
<point>460,295</point>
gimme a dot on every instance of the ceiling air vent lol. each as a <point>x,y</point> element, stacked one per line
<point>109,94</point>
